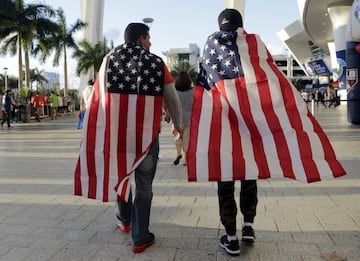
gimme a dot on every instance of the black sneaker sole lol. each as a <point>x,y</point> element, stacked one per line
<point>248,239</point>
<point>229,251</point>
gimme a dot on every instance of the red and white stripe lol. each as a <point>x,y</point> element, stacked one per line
<point>257,127</point>
<point>118,132</point>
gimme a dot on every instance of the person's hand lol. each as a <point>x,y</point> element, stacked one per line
<point>178,134</point>
<point>167,116</point>
<point>173,130</point>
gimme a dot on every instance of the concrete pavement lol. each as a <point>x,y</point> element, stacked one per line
<point>40,219</point>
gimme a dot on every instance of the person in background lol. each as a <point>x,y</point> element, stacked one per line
<point>47,105</point>
<point>60,104</point>
<point>6,108</point>
<point>85,98</point>
<point>71,104</point>
<point>53,105</point>
<point>65,104</point>
<point>38,103</point>
<point>185,91</point>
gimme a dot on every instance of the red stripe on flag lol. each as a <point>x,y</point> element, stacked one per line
<point>273,122</point>
<point>256,139</point>
<point>215,137</point>
<point>329,156</point>
<point>107,139</point>
<point>194,132</point>
<point>237,152</point>
<point>121,146</point>
<point>158,101</point>
<point>310,168</point>
<point>90,140</point>
<point>140,114</point>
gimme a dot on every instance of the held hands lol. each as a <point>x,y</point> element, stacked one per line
<point>167,116</point>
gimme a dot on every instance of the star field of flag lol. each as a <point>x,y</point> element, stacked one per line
<point>220,59</point>
<point>134,70</point>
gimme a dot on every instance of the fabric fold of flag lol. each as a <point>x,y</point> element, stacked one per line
<point>122,121</point>
<point>249,122</point>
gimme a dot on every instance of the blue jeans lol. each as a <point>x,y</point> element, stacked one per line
<point>81,120</point>
<point>137,213</point>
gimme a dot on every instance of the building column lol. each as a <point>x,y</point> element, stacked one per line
<point>236,4</point>
<point>339,15</point>
<point>92,13</point>
<point>352,37</point>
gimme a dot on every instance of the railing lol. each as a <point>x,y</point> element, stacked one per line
<point>336,102</point>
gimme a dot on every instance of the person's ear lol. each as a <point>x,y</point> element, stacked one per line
<point>141,40</point>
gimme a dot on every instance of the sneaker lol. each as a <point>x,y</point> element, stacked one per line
<point>150,241</point>
<point>248,234</point>
<point>176,162</point>
<point>125,229</point>
<point>231,247</point>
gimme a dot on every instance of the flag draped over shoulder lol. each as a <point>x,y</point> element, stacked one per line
<point>121,122</point>
<point>249,122</point>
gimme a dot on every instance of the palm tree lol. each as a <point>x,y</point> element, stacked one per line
<point>2,83</point>
<point>19,24</point>
<point>36,76</point>
<point>184,66</point>
<point>90,58</point>
<point>61,40</point>
<point>40,27</point>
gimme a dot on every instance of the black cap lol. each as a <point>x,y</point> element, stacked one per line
<point>230,20</point>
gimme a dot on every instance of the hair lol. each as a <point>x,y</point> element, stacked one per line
<point>134,31</point>
<point>183,82</point>
<point>7,91</point>
<point>90,82</point>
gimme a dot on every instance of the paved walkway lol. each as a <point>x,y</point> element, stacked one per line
<point>41,220</point>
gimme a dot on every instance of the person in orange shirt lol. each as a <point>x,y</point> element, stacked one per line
<point>38,103</point>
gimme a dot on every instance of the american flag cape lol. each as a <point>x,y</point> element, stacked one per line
<point>248,121</point>
<point>120,124</point>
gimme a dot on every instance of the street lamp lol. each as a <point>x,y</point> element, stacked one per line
<point>148,21</point>
<point>5,76</point>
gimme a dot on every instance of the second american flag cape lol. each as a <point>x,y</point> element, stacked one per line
<point>121,122</point>
<point>249,122</point>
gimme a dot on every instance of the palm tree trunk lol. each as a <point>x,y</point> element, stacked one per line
<point>19,63</point>
<point>27,68</point>
<point>65,73</point>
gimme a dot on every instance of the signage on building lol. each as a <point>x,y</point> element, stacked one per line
<point>318,67</point>
<point>352,78</point>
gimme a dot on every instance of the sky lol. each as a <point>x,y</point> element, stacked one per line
<point>176,25</point>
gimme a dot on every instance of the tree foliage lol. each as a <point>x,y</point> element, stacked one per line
<point>20,24</point>
<point>184,66</point>
<point>91,57</point>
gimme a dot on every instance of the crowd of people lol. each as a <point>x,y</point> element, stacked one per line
<point>322,97</point>
<point>41,106</point>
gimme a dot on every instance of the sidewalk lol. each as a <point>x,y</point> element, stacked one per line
<point>40,219</point>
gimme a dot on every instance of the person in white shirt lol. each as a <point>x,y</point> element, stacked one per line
<point>85,98</point>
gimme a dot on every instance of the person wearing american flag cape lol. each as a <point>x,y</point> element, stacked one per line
<point>248,122</point>
<point>121,129</point>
